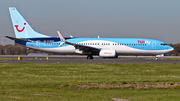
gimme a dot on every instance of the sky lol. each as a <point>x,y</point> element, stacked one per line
<point>152,19</point>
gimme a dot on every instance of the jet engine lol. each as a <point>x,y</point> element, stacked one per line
<point>108,53</point>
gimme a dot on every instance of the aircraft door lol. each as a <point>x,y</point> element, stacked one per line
<point>153,45</point>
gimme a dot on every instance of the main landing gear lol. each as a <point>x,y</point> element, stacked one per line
<point>90,57</point>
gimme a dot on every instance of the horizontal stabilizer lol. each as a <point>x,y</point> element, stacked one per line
<point>16,39</point>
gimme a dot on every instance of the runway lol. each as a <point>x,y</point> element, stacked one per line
<point>82,59</point>
<point>113,61</point>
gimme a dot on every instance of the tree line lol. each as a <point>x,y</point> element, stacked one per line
<point>15,50</point>
<point>21,50</point>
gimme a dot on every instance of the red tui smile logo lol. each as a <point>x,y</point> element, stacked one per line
<point>21,29</point>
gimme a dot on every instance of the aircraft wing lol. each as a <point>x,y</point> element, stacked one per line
<point>85,49</point>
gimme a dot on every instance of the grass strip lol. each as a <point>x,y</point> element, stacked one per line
<point>25,81</point>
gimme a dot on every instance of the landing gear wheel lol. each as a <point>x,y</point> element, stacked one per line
<point>89,57</point>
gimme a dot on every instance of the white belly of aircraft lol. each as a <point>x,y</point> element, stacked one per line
<point>129,50</point>
<point>61,50</point>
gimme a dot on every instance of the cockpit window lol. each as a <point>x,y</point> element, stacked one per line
<point>163,44</point>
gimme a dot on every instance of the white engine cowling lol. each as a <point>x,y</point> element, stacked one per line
<point>108,54</point>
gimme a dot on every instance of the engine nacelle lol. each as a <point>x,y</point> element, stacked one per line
<point>108,54</point>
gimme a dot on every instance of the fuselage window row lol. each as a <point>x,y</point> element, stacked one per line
<point>98,44</point>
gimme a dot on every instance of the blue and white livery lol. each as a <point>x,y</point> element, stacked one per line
<point>104,47</point>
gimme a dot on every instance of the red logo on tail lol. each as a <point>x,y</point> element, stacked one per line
<point>21,29</point>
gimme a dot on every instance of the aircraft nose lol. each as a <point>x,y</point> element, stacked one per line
<point>171,48</point>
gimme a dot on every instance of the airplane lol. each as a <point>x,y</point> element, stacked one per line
<point>103,47</point>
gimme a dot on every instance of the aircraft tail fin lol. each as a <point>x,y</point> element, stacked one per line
<point>21,28</point>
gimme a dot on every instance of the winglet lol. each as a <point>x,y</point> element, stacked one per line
<point>61,37</point>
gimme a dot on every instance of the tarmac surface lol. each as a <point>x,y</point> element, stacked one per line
<point>92,61</point>
<point>82,59</point>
